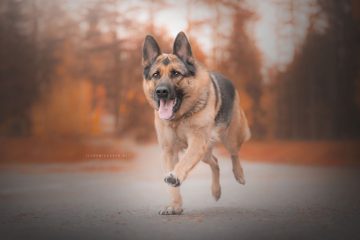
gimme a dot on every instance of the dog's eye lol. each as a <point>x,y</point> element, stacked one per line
<point>156,74</point>
<point>175,73</point>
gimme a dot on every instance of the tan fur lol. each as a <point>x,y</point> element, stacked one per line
<point>195,132</point>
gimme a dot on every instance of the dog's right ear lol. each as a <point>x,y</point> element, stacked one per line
<point>151,50</point>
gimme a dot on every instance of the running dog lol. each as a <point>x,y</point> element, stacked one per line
<point>194,109</point>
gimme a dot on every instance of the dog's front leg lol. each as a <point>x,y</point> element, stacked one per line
<point>170,158</point>
<point>198,146</point>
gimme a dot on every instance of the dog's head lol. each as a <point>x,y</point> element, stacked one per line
<point>169,79</point>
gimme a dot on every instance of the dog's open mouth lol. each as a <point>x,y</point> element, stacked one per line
<point>166,108</point>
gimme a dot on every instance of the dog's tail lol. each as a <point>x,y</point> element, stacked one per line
<point>245,133</point>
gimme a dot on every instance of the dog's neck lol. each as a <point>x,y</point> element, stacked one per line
<point>199,105</point>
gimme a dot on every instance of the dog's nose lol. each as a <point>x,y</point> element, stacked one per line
<point>162,91</point>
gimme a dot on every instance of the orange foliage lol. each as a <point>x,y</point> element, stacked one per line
<point>65,107</point>
<point>64,110</point>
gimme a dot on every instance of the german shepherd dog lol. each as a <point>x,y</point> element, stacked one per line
<point>194,109</point>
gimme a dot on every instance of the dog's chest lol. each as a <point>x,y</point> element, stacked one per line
<point>180,137</point>
<point>181,131</point>
<point>177,132</point>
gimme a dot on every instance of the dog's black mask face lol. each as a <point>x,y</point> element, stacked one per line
<point>164,74</point>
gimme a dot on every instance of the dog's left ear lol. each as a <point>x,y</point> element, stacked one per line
<point>182,48</point>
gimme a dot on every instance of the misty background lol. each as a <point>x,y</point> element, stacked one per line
<point>70,71</point>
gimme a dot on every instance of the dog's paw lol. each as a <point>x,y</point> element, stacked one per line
<point>216,192</point>
<point>172,180</point>
<point>239,176</point>
<point>169,210</point>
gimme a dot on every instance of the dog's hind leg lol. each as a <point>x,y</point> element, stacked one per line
<point>215,171</point>
<point>237,168</point>
<point>237,133</point>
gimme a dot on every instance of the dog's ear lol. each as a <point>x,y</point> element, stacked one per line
<point>151,50</point>
<point>182,48</point>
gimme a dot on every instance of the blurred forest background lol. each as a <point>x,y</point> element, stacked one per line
<point>70,71</point>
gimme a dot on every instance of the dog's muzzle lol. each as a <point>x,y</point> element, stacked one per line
<point>168,101</point>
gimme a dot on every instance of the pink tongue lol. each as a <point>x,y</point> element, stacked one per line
<point>165,109</point>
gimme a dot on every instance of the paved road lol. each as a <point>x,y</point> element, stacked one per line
<point>278,202</point>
